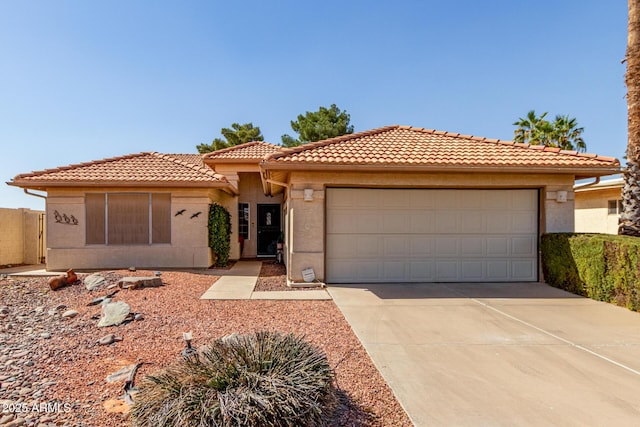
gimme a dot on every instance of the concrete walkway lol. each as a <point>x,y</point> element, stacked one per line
<point>36,270</point>
<point>238,282</point>
<point>499,354</point>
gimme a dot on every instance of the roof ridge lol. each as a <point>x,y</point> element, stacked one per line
<point>235,147</point>
<point>197,168</point>
<point>83,164</point>
<point>315,144</point>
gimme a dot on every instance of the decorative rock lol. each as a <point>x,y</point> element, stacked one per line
<point>114,313</point>
<point>122,374</point>
<point>94,281</point>
<point>107,339</point>
<point>138,316</point>
<point>139,282</point>
<point>132,269</point>
<point>17,422</point>
<point>5,419</point>
<point>45,335</point>
<point>4,310</point>
<point>70,313</point>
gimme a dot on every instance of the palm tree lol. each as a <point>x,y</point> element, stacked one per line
<point>563,132</point>
<point>529,128</point>
<point>630,218</point>
<point>567,135</point>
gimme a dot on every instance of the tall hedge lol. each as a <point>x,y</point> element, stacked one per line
<point>599,266</point>
<point>220,233</point>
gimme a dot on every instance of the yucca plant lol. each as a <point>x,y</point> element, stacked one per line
<point>260,379</point>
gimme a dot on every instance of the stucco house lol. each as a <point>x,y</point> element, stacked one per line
<point>598,206</point>
<point>394,204</point>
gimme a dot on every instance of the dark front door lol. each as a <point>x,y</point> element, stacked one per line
<point>268,229</point>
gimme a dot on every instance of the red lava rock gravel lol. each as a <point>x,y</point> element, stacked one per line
<point>52,370</point>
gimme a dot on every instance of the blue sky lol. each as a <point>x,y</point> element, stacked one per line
<point>84,80</point>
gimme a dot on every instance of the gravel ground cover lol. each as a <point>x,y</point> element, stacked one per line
<point>273,277</point>
<point>53,370</point>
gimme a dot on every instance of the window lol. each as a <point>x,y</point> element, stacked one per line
<point>128,218</point>
<point>243,220</point>
<point>615,207</point>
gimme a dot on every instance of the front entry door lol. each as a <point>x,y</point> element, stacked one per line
<point>268,229</point>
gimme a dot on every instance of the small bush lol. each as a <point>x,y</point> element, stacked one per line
<point>262,379</point>
<point>599,266</point>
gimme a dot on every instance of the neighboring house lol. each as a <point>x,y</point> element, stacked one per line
<point>598,206</point>
<point>395,204</point>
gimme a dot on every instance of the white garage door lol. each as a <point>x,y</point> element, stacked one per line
<point>428,235</point>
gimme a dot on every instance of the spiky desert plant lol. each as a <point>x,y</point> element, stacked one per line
<point>260,379</point>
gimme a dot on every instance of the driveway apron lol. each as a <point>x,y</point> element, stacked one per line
<point>516,354</point>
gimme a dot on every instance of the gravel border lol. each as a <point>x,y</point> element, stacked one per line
<point>54,363</point>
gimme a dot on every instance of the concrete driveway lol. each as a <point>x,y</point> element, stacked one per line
<point>499,354</point>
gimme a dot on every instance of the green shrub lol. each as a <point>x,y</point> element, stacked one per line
<point>261,379</point>
<point>219,233</point>
<point>599,266</point>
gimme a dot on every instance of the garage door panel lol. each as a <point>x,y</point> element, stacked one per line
<point>523,270</point>
<point>412,235</point>
<point>447,270</point>
<point>421,247</point>
<point>473,222</point>
<point>498,222</point>
<point>422,271</point>
<point>396,221</point>
<point>498,269</point>
<point>368,246</point>
<point>394,271</point>
<point>365,199</point>
<point>369,223</point>
<point>522,200</point>
<point>394,246</point>
<point>446,222</point>
<point>342,246</point>
<point>341,222</point>
<point>472,246</point>
<point>368,270</point>
<point>470,200</point>
<point>423,222</point>
<point>472,270</point>
<point>420,199</point>
<point>446,246</point>
<point>523,222</point>
<point>498,246</point>
<point>523,246</point>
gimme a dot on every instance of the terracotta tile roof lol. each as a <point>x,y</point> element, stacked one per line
<point>255,150</point>
<point>408,146</point>
<point>141,168</point>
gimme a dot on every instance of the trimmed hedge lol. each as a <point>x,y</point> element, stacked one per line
<point>599,266</point>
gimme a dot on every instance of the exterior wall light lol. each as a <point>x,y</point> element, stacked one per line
<point>308,194</point>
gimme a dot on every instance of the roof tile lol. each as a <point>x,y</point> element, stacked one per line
<point>405,145</point>
<point>133,168</point>
<point>255,150</point>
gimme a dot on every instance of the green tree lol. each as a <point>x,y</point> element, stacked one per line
<point>529,128</point>
<point>238,134</point>
<point>567,135</point>
<point>629,223</point>
<point>563,132</point>
<point>318,125</point>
